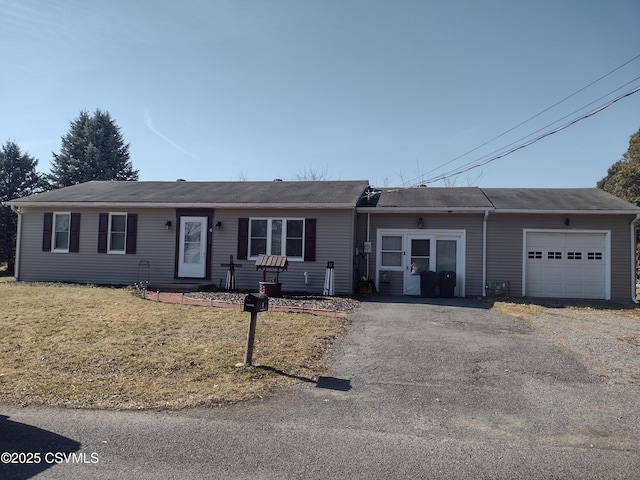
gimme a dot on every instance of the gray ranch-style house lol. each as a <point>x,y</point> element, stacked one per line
<point>555,243</point>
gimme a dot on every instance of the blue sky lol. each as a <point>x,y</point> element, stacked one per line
<point>396,92</point>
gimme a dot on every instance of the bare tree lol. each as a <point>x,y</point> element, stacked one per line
<point>313,173</point>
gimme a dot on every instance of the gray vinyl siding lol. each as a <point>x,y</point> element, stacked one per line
<point>391,284</point>
<point>334,242</point>
<point>155,244</point>
<point>505,246</point>
<point>470,223</point>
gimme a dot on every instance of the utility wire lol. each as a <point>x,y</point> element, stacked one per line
<point>445,175</point>
<point>525,121</point>
<point>540,137</point>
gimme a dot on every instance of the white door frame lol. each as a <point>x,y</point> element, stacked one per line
<point>412,282</point>
<point>434,235</point>
<point>197,266</point>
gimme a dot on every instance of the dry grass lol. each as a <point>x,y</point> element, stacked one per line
<point>80,346</point>
<point>525,309</point>
<point>602,336</point>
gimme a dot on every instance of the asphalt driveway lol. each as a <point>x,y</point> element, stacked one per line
<point>440,389</point>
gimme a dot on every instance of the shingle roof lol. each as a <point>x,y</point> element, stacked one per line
<point>474,199</point>
<point>259,194</point>
<point>452,198</point>
<point>331,194</point>
<point>557,199</point>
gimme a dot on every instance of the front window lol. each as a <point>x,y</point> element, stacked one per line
<point>117,232</point>
<point>391,251</point>
<point>276,237</point>
<point>61,225</point>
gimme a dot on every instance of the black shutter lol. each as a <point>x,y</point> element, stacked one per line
<point>74,233</point>
<point>310,240</point>
<point>132,233</point>
<point>103,232</point>
<point>46,231</point>
<point>243,238</point>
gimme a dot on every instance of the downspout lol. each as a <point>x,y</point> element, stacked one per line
<point>368,240</point>
<point>632,236</point>
<point>16,266</point>
<point>484,253</point>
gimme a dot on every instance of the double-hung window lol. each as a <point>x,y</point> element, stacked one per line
<point>391,252</point>
<point>61,231</point>
<point>117,232</point>
<point>276,236</point>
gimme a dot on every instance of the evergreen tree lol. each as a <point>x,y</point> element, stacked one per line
<point>623,177</point>
<point>18,178</point>
<point>93,149</point>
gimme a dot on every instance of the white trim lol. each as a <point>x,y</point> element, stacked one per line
<point>484,253</point>
<point>195,269</point>
<point>53,233</point>
<point>16,266</point>
<point>134,205</point>
<point>422,209</point>
<point>124,248</point>
<point>460,235</point>
<point>566,212</point>
<point>607,254</point>
<point>284,220</point>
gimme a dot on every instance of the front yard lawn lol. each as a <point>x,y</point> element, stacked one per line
<point>91,347</point>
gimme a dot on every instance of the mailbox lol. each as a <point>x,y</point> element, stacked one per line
<point>258,302</point>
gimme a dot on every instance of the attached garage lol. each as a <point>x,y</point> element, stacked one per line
<point>567,264</point>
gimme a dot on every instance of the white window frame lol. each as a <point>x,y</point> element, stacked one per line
<point>54,249</point>
<point>109,232</point>
<point>437,234</point>
<point>391,268</point>
<point>283,244</point>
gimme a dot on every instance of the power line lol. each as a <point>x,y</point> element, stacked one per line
<point>446,175</point>
<point>540,137</point>
<point>529,119</point>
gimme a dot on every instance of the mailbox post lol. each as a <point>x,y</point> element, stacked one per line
<point>253,303</point>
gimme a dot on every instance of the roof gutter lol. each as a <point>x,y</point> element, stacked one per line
<point>632,238</point>
<point>567,212</point>
<point>423,210</point>
<point>290,206</point>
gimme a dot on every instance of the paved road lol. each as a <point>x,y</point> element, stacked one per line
<point>441,391</point>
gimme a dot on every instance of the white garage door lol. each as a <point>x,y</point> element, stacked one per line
<point>566,265</point>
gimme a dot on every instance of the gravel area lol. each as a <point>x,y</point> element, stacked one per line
<point>606,340</point>
<point>297,300</point>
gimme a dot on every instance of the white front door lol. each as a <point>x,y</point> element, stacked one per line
<point>419,258</point>
<point>193,247</point>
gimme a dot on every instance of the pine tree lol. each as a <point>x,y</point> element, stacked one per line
<point>18,178</point>
<point>93,149</point>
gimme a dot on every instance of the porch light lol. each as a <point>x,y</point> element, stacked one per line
<point>420,222</point>
<point>167,224</point>
<point>218,225</point>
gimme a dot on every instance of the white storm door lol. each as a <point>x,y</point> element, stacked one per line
<point>419,255</point>
<point>193,247</point>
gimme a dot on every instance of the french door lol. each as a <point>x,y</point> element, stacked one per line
<point>436,253</point>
